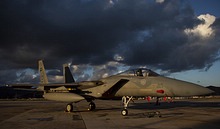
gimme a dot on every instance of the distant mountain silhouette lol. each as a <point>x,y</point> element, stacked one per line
<point>215,88</point>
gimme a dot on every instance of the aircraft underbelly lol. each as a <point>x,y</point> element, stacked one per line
<point>135,92</point>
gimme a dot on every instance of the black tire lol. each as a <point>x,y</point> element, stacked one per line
<point>69,108</point>
<point>124,112</point>
<point>92,106</point>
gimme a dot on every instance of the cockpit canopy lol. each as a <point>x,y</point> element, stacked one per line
<point>139,72</point>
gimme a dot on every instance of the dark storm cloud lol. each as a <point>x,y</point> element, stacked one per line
<point>92,32</point>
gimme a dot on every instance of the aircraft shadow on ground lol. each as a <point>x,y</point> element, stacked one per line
<point>151,106</point>
<point>97,109</point>
<point>166,105</point>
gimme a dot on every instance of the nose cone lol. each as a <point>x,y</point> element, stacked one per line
<point>199,90</point>
<point>182,88</point>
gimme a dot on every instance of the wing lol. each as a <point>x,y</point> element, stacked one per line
<point>80,85</point>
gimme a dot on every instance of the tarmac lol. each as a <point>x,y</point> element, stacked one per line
<point>184,114</point>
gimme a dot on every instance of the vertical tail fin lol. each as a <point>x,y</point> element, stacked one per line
<point>43,76</point>
<point>68,77</point>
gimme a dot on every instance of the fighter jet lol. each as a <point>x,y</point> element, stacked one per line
<point>126,85</point>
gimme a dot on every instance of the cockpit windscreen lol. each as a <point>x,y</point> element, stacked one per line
<point>140,72</point>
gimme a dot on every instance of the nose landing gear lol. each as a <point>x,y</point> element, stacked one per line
<point>125,102</point>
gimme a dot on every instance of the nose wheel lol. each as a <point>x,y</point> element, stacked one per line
<point>124,112</point>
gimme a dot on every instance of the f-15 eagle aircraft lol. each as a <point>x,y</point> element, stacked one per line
<point>135,82</point>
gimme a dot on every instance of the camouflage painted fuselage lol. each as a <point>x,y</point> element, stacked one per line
<point>145,85</point>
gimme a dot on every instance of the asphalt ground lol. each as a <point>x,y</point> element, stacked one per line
<point>184,114</point>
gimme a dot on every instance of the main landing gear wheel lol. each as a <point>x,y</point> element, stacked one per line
<point>91,106</point>
<point>69,108</point>
<point>124,112</point>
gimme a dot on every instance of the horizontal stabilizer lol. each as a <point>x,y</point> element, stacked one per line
<point>24,86</point>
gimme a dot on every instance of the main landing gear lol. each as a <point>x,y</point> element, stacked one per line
<point>125,102</point>
<point>91,106</point>
<point>69,107</point>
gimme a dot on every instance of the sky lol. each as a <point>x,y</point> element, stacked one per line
<point>97,38</point>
